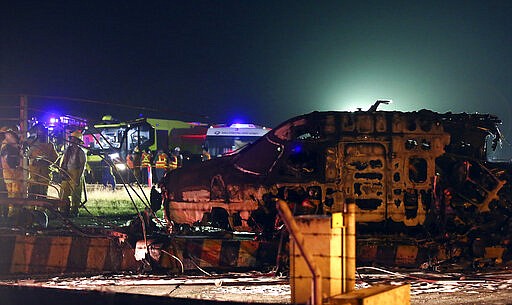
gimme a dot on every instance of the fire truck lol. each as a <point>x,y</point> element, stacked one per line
<point>59,128</point>
<point>114,139</point>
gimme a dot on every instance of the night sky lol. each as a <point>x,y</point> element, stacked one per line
<point>258,61</point>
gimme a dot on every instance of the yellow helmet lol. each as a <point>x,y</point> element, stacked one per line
<point>107,117</point>
<point>6,130</point>
<point>77,134</point>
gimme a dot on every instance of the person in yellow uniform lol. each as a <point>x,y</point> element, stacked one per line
<point>161,165</point>
<point>145,166</point>
<point>12,170</point>
<point>205,155</point>
<point>41,155</point>
<point>73,165</point>
<point>173,160</point>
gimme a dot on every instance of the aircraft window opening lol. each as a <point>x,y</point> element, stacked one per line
<point>305,136</point>
<point>411,144</point>
<point>417,170</point>
<point>425,145</point>
<point>259,158</point>
<point>301,161</point>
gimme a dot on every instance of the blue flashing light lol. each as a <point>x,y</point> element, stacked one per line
<point>242,125</point>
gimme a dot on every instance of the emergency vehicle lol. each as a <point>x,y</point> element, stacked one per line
<point>217,139</point>
<point>224,139</point>
<point>114,139</point>
<point>59,128</point>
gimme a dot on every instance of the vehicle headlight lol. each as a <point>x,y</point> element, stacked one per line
<point>120,166</point>
<point>114,156</point>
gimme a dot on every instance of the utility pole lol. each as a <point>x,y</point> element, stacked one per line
<point>23,117</point>
<point>23,134</point>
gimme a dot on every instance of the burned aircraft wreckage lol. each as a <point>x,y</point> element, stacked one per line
<point>420,180</point>
<point>425,191</point>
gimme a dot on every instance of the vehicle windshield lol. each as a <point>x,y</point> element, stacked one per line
<point>104,138</point>
<point>108,138</point>
<point>139,136</point>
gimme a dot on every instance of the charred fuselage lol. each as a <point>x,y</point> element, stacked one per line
<point>418,171</point>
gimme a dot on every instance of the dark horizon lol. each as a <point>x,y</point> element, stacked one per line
<point>261,62</point>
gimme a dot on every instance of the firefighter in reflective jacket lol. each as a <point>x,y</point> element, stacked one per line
<point>145,166</point>
<point>42,155</point>
<point>73,165</point>
<point>10,155</point>
<point>161,164</point>
<point>176,159</point>
<point>173,162</point>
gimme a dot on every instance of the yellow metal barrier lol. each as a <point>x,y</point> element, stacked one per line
<point>323,261</point>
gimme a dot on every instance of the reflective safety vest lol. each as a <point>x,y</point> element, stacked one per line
<point>162,161</point>
<point>206,156</point>
<point>174,163</point>
<point>145,160</point>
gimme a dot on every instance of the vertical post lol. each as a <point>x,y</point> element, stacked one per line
<point>23,118</point>
<point>350,247</point>
<point>23,137</point>
<point>291,225</point>
<point>150,177</point>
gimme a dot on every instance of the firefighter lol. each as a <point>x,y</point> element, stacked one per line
<point>145,166</point>
<point>11,158</point>
<point>135,158</point>
<point>161,164</point>
<point>176,159</point>
<point>10,152</point>
<point>179,156</point>
<point>73,165</point>
<point>205,155</point>
<point>41,155</point>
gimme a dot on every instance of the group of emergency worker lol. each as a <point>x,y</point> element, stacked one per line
<point>142,164</point>
<point>44,162</point>
<point>32,180</point>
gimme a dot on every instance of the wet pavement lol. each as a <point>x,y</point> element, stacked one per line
<point>491,287</point>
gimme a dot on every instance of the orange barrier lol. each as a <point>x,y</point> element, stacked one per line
<point>22,254</point>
